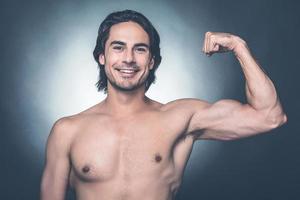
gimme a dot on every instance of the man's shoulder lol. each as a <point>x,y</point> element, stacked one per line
<point>65,125</point>
<point>62,133</point>
<point>75,121</point>
<point>185,103</point>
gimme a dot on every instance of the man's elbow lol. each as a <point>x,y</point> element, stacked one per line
<point>277,121</point>
<point>283,119</point>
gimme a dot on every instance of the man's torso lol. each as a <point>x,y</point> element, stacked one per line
<point>141,156</point>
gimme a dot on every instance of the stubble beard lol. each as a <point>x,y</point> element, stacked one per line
<point>128,88</point>
<point>123,88</point>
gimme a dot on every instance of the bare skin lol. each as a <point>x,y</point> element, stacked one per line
<point>131,147</point>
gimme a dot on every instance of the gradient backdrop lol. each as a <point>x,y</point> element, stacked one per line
<point>47,72</point>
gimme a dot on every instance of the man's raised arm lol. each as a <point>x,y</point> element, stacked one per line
<point>55,177</point>
<point>229,119</point>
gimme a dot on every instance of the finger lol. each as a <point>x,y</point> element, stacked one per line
<point>207,35</point>
<point>208,43</point>
<point>212,43</point>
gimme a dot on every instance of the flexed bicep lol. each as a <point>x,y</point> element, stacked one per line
<point>229,119</point>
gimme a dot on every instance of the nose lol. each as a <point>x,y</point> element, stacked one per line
<point>129,56</point>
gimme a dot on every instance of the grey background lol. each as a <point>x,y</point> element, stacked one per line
<point>42,74</point>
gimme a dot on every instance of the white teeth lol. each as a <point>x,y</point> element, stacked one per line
<point>126,71</point>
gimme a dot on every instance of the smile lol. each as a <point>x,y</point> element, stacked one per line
<point>127,73</point>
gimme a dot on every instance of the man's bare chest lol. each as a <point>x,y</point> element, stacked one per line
<point>126,149</point>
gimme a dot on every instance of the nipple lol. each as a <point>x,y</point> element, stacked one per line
<point>85,169</point>
<point>157,158</point>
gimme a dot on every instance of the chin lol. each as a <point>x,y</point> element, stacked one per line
<point>127,88</point>
<point>129,85</point>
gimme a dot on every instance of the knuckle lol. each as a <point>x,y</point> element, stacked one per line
<point>208,33</point>
<point>213,37</point>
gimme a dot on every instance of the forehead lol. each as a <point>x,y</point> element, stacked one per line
<point>128,32</point>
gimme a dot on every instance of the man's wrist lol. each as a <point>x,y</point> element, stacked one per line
<point>241,48</point>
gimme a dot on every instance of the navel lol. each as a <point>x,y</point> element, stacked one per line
<point>85,169</point>
<point>157,158</point>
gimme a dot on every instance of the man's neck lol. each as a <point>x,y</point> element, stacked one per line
<point>123,103</point>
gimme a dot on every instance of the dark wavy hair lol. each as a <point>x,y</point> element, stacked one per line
<point>103,34</point>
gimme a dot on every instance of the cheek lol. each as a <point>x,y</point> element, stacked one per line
<point>111,60</point>
<point>144,61</point>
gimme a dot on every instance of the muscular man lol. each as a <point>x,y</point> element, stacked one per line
<point>131,147</point>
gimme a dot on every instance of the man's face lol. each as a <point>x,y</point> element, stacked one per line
<point>127,57</point>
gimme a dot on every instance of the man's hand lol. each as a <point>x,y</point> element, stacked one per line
<point>215,42</point>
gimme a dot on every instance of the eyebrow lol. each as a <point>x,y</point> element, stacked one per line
<point>117,42</point>
<point>135,45</point>
<point>142,45</point>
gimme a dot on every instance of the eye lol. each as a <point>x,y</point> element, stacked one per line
<point>118,48</point>
<point>141,49</point>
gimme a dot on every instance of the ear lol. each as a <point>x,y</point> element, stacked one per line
<point>151,64</point>
<point>102,59</point>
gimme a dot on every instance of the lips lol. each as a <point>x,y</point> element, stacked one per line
<point>127,72</point>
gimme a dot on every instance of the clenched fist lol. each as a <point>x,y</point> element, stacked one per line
<point>215,42</point>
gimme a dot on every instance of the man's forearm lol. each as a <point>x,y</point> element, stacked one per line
<point>260,90</point>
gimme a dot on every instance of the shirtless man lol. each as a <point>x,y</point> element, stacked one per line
<point>130,147</point>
